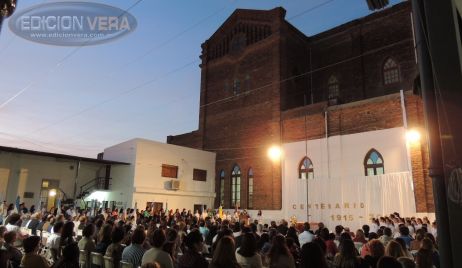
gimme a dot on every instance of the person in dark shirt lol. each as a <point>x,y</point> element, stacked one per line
<point>14,254</point>
<point>192,258</point>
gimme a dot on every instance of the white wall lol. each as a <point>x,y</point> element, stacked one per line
<point>24,173</point>
<point>145,180</point>
<point>343,165</point>
<point>122,176</point>
<point>347,152</point>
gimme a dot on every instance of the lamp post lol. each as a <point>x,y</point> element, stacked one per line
<point>274,154</point>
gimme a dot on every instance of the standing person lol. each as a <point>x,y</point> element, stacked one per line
<point>306,236</point>
<point>192,257</point>
<point>279,255</point>
<point>135,251</point>
<point>223,256</point>
<point>247,255</point>
<point>156,254</point>
<point>32,259</point>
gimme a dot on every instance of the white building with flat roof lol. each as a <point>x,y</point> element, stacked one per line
<point>160,175</point>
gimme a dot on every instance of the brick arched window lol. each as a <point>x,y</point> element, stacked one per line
<point>235,186</point>
<point>373,163</point>
<point>250,189</point>
<point>222,187</point>
<point>390,72</point>
<point>305,169</point>
<point>333,87</point>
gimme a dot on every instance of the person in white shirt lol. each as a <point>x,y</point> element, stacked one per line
<point>306,236</point>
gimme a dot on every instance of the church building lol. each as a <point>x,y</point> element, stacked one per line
<point>339,104</point>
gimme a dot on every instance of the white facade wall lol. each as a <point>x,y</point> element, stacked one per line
<point>144,179</point>
<point>21,173</point>
<point>343,164</point>
<point>340,159</point>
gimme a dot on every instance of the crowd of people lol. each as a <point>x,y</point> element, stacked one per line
<point>66,237</point>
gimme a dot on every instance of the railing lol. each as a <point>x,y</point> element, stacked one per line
<point>100,183</point>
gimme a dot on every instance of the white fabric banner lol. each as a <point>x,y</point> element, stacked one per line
<point>351,202</point>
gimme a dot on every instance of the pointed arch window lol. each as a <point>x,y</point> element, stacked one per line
<point>305,169</point>
<point>222,188</point>
<point>390,72</point>
<point>250,189</point>
<point>333,87</point>
<point>235,186</point>
<point>373,163</point>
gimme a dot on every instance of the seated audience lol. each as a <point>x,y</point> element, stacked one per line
<point>14,254</point>
<point>135,251</point>
<point>87,244</point>
<point>279,255</point>
<point>247,255</point>
<point>223,256</point>
<point>69,258</point>
<point>115,249</point>
<point>312,256</point>
<point>156,253</point>
<point>31,258</point>
<point>192,257</point>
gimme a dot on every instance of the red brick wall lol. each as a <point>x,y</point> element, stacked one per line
<point>241,127</point>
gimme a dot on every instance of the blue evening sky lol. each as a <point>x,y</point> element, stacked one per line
<point>145,84</point>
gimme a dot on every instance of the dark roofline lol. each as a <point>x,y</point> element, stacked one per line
<point>339,29</point>
<point>62,156</point>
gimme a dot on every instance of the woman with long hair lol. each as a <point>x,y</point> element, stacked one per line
<point>67,234</point>
<point>104,238</point>
<point>247,255</point>
<point>279,255</point>
<point>348,256</point>
<point>394,250</point>
<point>312,256</point>
<point>192,258</point>
<point>223,256</point>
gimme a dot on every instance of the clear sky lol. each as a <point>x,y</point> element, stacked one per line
<point>144,85</point>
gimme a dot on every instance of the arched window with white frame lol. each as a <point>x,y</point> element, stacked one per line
<point>305,169</point>
<point>373,163</point>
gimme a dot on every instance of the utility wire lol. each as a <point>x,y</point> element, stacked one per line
<point>131,62</point>
<point>58,64</point>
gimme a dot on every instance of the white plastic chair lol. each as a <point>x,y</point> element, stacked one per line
<point>108,262</point>
<point>97,259</point>
<point>124,264</point>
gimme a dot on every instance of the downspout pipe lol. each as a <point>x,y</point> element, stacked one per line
<point>434,140</point>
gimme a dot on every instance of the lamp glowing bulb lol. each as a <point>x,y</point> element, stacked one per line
<point>274,153</point>
<point>413,136</point>
<point>53,192</point>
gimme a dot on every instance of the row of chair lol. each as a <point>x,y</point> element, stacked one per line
<point>99,260</point>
